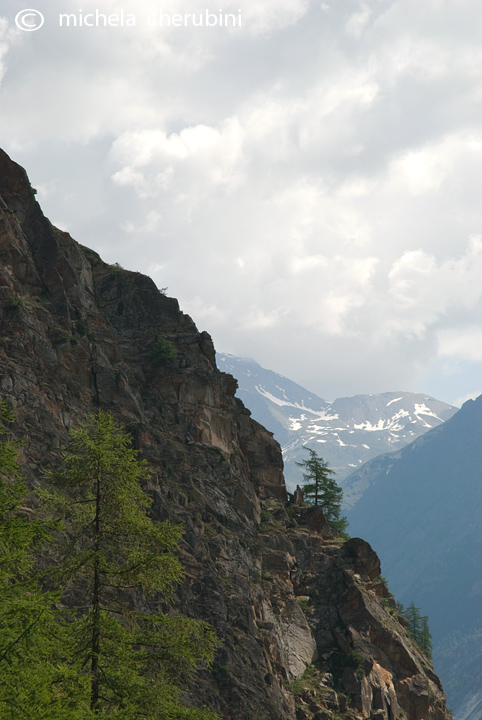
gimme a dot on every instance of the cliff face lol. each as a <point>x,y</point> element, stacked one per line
<point>281,592</point>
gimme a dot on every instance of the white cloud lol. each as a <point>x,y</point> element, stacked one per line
<point>151,224</point>
<point>271,15</point>
<point>463,343</point>
<point>153,160</point>
<point>3,45</point>
<point>424,169</point>
<point>424,290</point>
<point>302,264</point>
<point>307,183</point>
<point>358,21</point>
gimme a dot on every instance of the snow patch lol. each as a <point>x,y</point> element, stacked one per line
<point>424,410</point>
<point>318,429</point>
<point>296,405</point>
<point>391,424</point>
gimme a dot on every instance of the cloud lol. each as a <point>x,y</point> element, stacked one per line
<point>306,184</point>
<point>273,15</point>
<point>424,290</point>
<point>152,160</point>
<point>463,343</point>
<point>358,21</point>
<point>424,169</point>
<point>3,44</point>
<point>150,226</point>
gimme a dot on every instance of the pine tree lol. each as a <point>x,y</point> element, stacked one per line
<point>425,637</point>
<point>412,614</point>
<point>418,627</point>
<point>113,557</point>
<point>321,489</point>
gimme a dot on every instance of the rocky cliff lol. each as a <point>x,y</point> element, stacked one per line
<point>306,626</point>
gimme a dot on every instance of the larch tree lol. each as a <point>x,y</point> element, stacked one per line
<point>418,627</point>
<point>37,681</point>
<point>112,560</point>
<point>321,489</point>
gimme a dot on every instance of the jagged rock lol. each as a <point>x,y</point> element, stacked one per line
<point>365,560</point>
<point>316,521</point>
<point>76,334</point>
<point>298,638</point>
<point>298,497</point>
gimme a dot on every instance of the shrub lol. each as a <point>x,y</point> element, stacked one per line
<point>163,352</point>
<point>14,303</point>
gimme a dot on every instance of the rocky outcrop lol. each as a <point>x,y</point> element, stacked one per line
<point>306,626</point>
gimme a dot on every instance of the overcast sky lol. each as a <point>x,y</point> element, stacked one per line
<point>307,183</point>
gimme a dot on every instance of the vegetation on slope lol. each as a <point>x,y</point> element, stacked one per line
<point>84,648</point>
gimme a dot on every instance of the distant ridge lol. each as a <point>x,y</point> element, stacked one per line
<point>346,432</point>
<point>422,510</point>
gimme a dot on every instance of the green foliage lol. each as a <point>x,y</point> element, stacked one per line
<point>36,679</point>
<point>163,352</point>
<point>357,662</point>
<point>310,679</point>
<point>305,605</point>
<point>418,627</point>
<point>14,303</point>
<point>321,489</point>
<point>129,663</point>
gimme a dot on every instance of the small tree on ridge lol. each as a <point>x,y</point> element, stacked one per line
<point>321,489</point>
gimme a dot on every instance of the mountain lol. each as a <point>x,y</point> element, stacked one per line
<point>306,627</point>
<point>346,432</point>
<point>422,509</point>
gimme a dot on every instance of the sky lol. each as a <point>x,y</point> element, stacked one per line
<point>304,176</point>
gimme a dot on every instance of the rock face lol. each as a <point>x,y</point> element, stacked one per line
<point>306,627</point>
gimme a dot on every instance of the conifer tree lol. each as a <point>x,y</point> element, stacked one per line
<point>321,489</point>
<point>113,558</point>
<point>418,627</point>
<point>36,680</point>
<point>425,638</point>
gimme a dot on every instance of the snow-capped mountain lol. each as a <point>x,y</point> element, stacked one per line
<point>346,432</point>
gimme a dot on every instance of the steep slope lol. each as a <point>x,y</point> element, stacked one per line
<point>346,432</point>
<point>422,510</point>
<point>279,589</point>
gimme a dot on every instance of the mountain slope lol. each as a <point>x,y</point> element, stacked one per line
<point>423,509</point>
<point>346,432</point>
<point>280,590</point>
